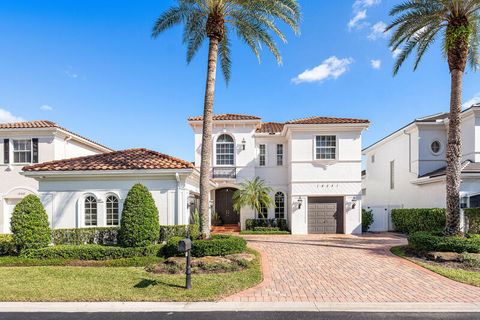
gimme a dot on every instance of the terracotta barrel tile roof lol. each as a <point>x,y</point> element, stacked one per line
<point>131,159</point>
<point>270,127</point>
<point>29,124</point>
<point>41,124</point>
<point>326,120</point>
<point>226,117</point>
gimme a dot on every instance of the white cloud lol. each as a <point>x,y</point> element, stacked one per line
<point>395,53</point>
<point>331,68</point>
<point>376,64</point>
<point>355,21</point>
<point>71,74</point>
<point>474,100</point>
<point>6,116</point>
<point>378,31</point>
<point>365,3</point>
<point>46,107</point>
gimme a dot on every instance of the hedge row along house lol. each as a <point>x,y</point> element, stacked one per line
<point>312,164</point>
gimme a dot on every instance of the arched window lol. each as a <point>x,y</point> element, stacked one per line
<point>90,211</point>
<point>112,211</point>
<point>279,205</point>
<point>225,150</point>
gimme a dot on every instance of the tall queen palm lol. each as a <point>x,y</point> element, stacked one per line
<point>253,21</point>
<point>417,24</point>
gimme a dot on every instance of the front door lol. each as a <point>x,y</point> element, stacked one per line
<point>224,206</point>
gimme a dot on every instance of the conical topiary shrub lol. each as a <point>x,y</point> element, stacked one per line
<point>139,225</point>
<point>30,225</point>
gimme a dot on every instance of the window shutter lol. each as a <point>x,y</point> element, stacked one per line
<point>35,150</point>
<point>6,151</point>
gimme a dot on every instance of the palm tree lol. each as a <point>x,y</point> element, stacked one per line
<point>253,21</point>
<point>417,25</point>
<point>254,194</point>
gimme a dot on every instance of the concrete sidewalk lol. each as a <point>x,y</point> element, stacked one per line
<point>234,306</point>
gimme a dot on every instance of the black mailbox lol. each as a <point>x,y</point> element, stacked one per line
<point>184,245</point>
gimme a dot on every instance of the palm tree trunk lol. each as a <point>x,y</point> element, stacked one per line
<point>206,156</point>
<point>454,155</point>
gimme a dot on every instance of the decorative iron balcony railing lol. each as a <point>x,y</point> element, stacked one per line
<point>224,172</point>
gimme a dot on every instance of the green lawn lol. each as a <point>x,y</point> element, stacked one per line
<point>464,276</point>
<point>115,283</point>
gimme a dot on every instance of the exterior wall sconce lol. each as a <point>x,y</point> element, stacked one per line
<point>210,203</point>
<point>354,202</point>
<point>243,143</point>
<point>299,201</point>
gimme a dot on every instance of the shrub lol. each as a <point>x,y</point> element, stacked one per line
<point>367,219</point>
<point>217,245</point>
<point>281,224</point>
<point>426,241</point>
<point>7,246</point>
<point>90,252</point>
<point>472,216</point>
<point>266,229</point>
<point>139,225</point>
<point>170,248</point>
<point>29,224</point>
<point>97,235</point>
<point>167,232</point>
<point>413,220</point>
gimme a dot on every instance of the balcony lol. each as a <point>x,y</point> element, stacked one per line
<point>224,173</point>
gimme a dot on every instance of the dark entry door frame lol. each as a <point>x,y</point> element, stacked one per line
<point>224,206</point>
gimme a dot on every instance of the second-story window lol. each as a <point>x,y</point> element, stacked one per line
<point>325,147</point>
<point>262,160</point>
<point>225,150</point>
<point>279,154</point>
<point>22,151</point>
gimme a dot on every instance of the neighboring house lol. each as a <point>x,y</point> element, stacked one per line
<point>25,143</point>
<point>313,165</point>
<point>90,191</point>
<point>406,169</point>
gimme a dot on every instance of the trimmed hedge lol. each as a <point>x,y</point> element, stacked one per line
<point>426,241</point>
<point>252,224</point>
<point>413,220</point>
<point>139,225</point>
<point>217,245</point>
<point>29,224</point>
<point>367,219</point>
<point>97,235</point>
<point>264,232</point>
<point>7,246</point>
<point>90,252</point>
<point>472,216</point>
<point>167,232</point>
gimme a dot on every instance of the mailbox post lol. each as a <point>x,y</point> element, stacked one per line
<point>185,245</point>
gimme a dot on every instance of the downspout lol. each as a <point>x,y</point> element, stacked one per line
<point>177,199</point>
<point>409,150</point>
<point>67,138</point>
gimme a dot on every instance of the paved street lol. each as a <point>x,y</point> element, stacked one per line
<point>238,316</point>
<point>346,268</point>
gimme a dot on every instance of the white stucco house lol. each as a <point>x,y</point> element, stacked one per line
<point>313,165</point>
<point>25,143</point>
<point>89,191</point>
<point>406,169</point>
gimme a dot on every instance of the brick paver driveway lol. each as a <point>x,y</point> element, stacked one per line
<point>343,268</point>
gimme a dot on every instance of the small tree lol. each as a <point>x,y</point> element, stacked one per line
<point>139,225</point>
<point>30,225</point>
<point>254,194</point>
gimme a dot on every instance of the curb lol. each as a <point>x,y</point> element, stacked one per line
<point>101,307</point>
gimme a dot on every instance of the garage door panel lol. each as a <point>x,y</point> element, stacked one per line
<point>325,215</point>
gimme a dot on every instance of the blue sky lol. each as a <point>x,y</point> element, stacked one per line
<point>92,67</point>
